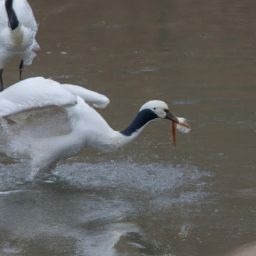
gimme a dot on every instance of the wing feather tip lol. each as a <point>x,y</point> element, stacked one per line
<point>102,103</point>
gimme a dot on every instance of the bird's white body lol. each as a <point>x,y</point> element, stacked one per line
<point>87,126</point>
<point>21,41</point>
<point>90,128</point>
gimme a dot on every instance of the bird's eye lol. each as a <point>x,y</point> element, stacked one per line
<point>154,108</point>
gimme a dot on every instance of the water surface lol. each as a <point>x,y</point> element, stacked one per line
<point>149,198</point>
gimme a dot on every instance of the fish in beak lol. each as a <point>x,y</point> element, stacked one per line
<point>177,123</point>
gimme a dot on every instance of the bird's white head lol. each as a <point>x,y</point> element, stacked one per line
<point>149,111</point>
<point>160,109</point>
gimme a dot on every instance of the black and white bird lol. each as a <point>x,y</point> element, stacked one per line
<point>18,29</point>
<point>88,127</point>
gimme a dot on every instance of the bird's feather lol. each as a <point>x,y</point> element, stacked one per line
<point>38,92</point>
<point>25,14</point>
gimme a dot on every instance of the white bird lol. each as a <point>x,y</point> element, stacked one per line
<point>18,29</point>
<point>88,128</point>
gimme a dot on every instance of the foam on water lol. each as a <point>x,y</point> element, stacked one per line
<point>123,176</point>
<point>128,176</point>
<point>108,193</point>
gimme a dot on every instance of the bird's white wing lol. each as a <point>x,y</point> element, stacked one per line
<point>38,92</point>
<point>3,15</point>
<point>92,98</point>
<point>25,14</point>
<point>33,93</point>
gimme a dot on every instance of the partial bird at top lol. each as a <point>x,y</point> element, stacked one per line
<point>88,128</point>
<point>18,29</point>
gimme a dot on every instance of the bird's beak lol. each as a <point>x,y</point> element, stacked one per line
<point>171,117</point>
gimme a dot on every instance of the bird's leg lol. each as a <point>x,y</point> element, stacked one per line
<point>21,68</point>
<point>1,80</point>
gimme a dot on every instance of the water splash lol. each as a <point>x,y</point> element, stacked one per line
<point>102,196</point>
<point>128,175</point>
<point>30,137</point>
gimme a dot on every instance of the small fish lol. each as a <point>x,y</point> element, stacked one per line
<point>182,127</point>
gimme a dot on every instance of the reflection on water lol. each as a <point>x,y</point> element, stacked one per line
<point>93,206</point>
<point>148,198</point>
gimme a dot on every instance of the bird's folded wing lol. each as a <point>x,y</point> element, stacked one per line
<point>25,15</point>
<point>92,98</point>
<point>34,93</point>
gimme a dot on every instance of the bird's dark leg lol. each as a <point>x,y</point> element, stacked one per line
<point>1,80</point>
<point>21,68</point>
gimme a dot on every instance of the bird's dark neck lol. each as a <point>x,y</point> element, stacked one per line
<point>13,20</point>
<point>142,118</point>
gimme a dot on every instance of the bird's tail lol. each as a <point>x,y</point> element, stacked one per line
<point>12,17</point>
